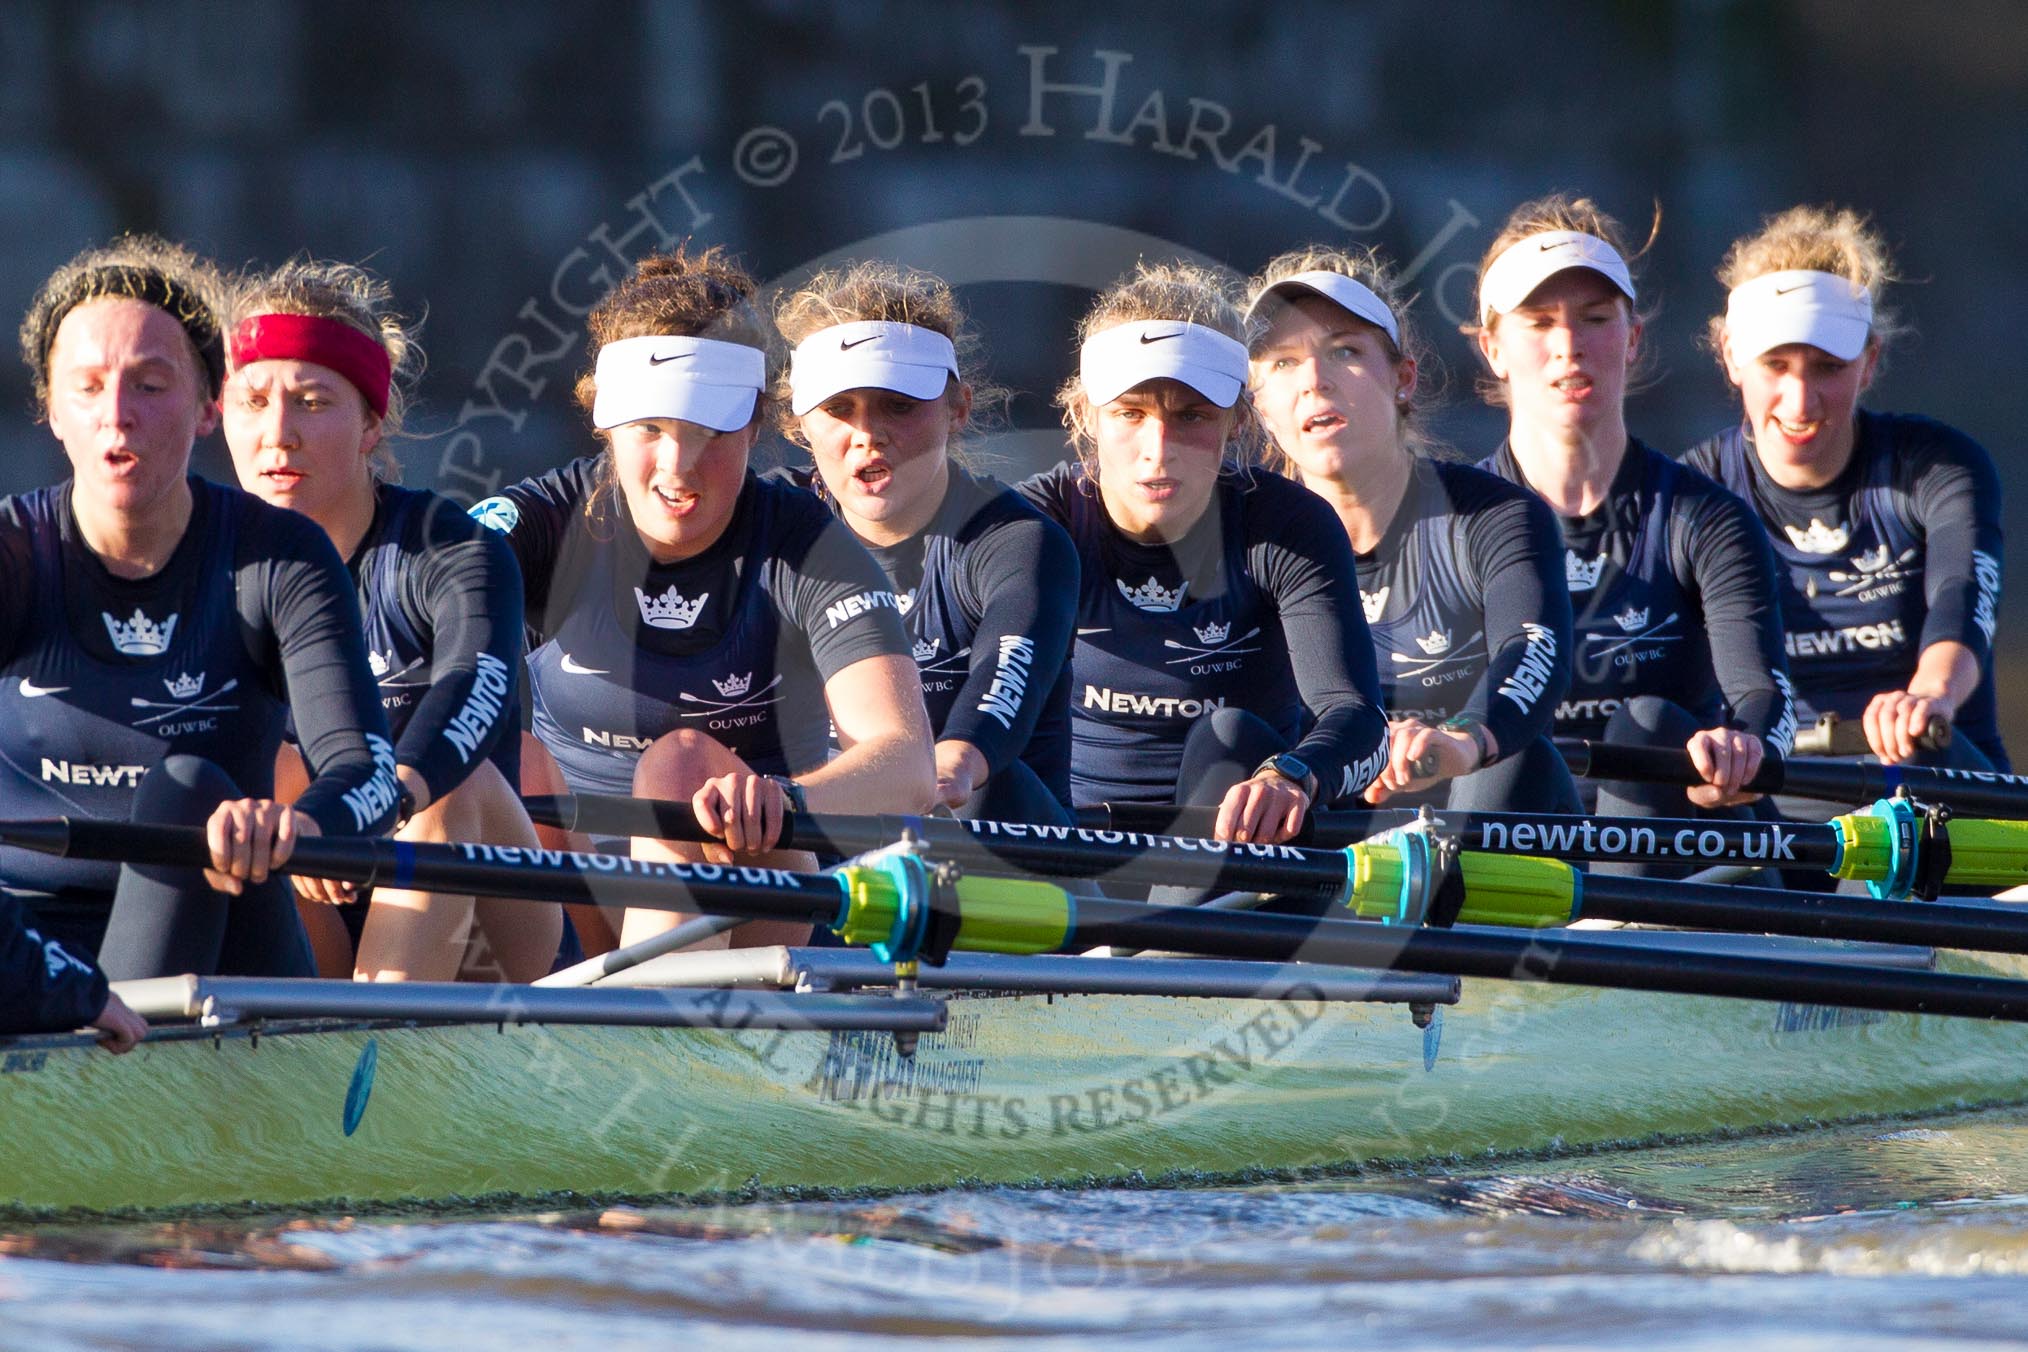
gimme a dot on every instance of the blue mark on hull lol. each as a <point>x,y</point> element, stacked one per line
<point>1432,1038</point>
<point>361,1088</point>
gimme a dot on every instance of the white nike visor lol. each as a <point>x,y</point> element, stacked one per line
<point>870,354</point>
<point>698,380</point>
<point>1115,360</point>
<point>1347,293</point>
<point>1528,263</point>
<point>1819,308</point>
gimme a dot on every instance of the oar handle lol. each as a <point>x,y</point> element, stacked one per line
<point>1831,735</point>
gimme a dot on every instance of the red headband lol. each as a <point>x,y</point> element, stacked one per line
<point>327,342</point>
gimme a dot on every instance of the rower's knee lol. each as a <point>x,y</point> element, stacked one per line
<point>182,790</point>
<point>676,764</point>
<point>1651,720</point>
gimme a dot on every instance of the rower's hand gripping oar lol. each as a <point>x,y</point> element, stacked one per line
<point>1985,793</point>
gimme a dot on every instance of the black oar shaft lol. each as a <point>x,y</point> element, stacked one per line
<point>1979,792</point>
<point>496,870</point>
<point>1540,956</point>
<point>1052,851</point>
<point>1760,910</point>
<point>1690,841</point>
<point>1562,959</point>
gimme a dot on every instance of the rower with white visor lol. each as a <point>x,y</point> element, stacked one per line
<point>1886,526</point>
<point>698,632</point>
<point>882,384</point>
<point>1677,638</point>
<point>1221,657</point>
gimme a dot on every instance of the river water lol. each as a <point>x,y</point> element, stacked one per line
<point>1898,1234</point>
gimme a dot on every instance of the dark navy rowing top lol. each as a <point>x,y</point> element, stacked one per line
<point>1254,608</point>
<point>44,988</point>
<point>1466,600</point>
<point>1672,594</point>
<point>1901,550</point>
<point>441,596</point>
<point>989,592</point>
<point>103,676</point>
<point>735,642</point>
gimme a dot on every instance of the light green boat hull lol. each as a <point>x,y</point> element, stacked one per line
<point>1018,1089</point>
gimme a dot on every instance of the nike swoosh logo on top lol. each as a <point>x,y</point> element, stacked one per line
<point>30,690</point>
<point>1553,244</point>
<point>1101,630</point>
<point>1159,337</point>
<point>1784,290</point>
<point>570,665</point>
<point>654,360</point>
<point>844,346</point>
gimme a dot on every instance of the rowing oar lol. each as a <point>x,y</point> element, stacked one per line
<point>898,905</point>
<point>1885,847</point>
<point>1985,792</point>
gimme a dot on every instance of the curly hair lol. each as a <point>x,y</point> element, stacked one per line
<point>1187,293</point>
<point>1837,240</point>
<point>146,268</point>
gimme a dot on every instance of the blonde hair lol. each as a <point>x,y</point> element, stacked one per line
<point>1561,211</point>
<point>351,295</point>
<point>678,294</point>
<point>1187,293</point>
<point>1837,240</point>
<point>894,294</point>
<point>146,268</point>
<point>1365,266</point>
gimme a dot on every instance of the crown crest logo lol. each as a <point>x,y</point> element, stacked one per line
<point>1436,641</point>
<point>925,650</point>
<point>186,686</point>
<point>1579,575</point>
<point>1818,538</point>
<point>732,687</point>
<point>1373,602</point>
<point>670,610</point>
<point>1631,619</point>
<point>1213,632</point>
<point>1872,561</point>
<point>140,636</point>
<point>1153,595</point>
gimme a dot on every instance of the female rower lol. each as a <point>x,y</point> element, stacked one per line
<point>46,989</point>
<point>1460,572</point>
<point>156,630</point>
<point>694,624</point>
<point>877,388</point>
<point>1678,640</point>
<point>317,387</point>
<point>1220,654</point>
<point>1887,526</point>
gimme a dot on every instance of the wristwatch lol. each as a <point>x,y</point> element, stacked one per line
<point>1292,768</point>
<point>1474,726</point>
<point>791,790</point>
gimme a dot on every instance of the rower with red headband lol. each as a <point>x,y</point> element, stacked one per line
<point>155,632</point>
<point>311,406</point>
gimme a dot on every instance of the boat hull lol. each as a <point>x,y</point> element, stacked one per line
<point>1017,1089</point>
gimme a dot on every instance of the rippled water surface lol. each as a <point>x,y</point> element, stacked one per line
<point>1895,1235</point>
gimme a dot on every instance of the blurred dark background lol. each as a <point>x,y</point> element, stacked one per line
<point>499,164</point>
